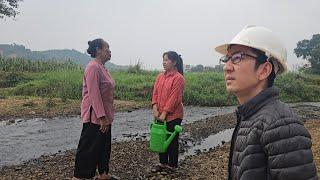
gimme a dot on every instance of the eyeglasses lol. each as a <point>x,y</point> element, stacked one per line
<point>235,58</point>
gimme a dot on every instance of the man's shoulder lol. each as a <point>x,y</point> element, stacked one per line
<point>276,111</point>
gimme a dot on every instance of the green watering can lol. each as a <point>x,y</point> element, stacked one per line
<point>159,136</point>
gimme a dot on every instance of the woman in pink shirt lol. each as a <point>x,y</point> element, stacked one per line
<point>167,105</point>
<point>97,114</point>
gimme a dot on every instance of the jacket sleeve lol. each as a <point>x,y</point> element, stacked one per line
<point>92,75</point>
<point>287,144</point>
<point>175,95</point>
<point>155,91</point>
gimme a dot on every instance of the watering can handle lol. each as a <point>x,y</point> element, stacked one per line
<point>158,121</point>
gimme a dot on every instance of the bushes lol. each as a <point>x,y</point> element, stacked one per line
<point>25,65</point>
<point>204,89</point>
<point>11,79</point>
<point>65,85</point>
<point>298,87</point>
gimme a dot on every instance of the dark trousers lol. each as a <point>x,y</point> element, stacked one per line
<point>93,151</point>
<point>171,156</point>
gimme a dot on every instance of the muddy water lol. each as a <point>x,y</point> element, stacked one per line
<point>208,143</point>
<point>22,140</point>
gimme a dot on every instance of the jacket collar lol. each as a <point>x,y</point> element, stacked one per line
<point>252,106</point>
<point>99,64</point>
<point>171,73</point>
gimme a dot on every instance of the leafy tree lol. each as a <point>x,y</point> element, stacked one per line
<point>310,51</point>
<point>197,68</point>
<point>8,8</point>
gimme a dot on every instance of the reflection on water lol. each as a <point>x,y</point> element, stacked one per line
<point>27,139</point>
<point>209,143</point>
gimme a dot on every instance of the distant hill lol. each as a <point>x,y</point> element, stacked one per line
<point>14,50</point>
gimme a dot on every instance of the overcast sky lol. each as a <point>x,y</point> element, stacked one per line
<point>144,29</point>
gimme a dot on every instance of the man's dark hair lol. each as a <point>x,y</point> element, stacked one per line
<point>262,58</point>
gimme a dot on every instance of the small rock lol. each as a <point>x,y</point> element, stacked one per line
<point>11,121</point>
<point>18,169</point>
<point>163,173</point>
<point>32,112</point>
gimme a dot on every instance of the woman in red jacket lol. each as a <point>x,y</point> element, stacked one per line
<point>167,105</point>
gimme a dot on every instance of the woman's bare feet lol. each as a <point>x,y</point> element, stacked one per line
<point>106,176</point>
<point>158,168</point>
<point>170,169</point>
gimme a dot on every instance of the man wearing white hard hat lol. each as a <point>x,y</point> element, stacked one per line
<point>269,140</point>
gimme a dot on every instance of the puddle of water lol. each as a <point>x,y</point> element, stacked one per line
<point>210,142</point>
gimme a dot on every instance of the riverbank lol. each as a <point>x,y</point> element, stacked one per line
<point>35,107</point>
<point>202,88</point>
<point>132,160</point>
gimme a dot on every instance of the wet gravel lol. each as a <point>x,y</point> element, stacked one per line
<point>25,139</point>
<point>132,160</point>
<point>129,160</point>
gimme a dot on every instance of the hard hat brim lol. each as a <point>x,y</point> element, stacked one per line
<point>222,49</point>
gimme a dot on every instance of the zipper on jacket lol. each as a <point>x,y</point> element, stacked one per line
<point>233,140</point>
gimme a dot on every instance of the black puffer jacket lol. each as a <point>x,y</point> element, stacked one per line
<point>269,142</point>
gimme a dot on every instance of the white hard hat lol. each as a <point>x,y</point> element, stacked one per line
<point>263,39</point>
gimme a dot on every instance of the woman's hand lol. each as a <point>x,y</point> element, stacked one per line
<point>104,126</point>
<point>163,116</point>
<point>155,111</point>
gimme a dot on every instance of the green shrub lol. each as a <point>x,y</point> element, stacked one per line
<point>204,89</point>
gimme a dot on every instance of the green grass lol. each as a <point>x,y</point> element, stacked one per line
<point>204,89</point>
<point>64,84</point>
<point>299,87</point>
<point>133,86</point>
<point>26,65</point>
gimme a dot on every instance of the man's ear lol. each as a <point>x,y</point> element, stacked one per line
<point>264,71</point>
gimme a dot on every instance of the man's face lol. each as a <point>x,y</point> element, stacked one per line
<point>240,74</point>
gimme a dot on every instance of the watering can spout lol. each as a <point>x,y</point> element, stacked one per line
<point>177,129</point>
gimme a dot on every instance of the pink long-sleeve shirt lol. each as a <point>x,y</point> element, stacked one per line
<point>97,92</point>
